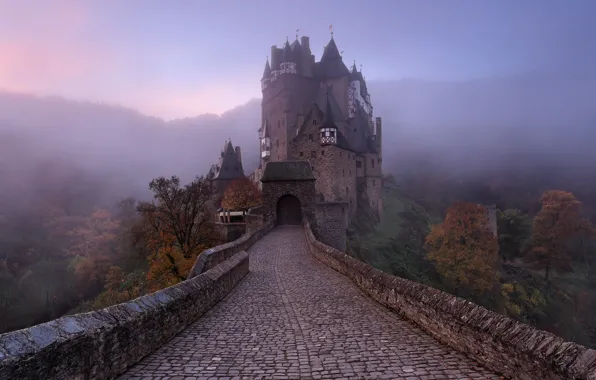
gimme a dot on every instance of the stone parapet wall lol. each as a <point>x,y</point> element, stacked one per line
<point>211,257</point>
<point>500,343</point>
<point>332,222</point>
<point>103,344</point>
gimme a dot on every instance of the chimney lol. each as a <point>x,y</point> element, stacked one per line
<point>238,154</point>
<point>305,42</point>
<point>273,58</point>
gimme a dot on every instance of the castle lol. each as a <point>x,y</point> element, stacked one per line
<point>321,112</point>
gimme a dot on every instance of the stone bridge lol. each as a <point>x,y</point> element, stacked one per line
<point>278,303</point>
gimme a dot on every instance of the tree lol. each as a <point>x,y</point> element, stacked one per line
<point>514,230</point>
<point>167,265</point>
<point>558,221</point>
<point>183,213</point>
<point>92,247</point>
<point>241,194</point>
<point>464,248</point>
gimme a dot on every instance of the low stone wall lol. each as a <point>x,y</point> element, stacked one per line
<point>211,257</point>
<point>103,344</point>
<point>502,344</point>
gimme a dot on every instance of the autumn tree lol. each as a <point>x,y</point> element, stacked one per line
<point>177,227</point>
<point>464,248</point>
<point>558,221</point>
<point>182,212</point>
<point>92,247</point>
<point>241,194</point>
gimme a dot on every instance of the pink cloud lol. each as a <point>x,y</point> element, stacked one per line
<point>45,49</point>
<point>171,103</point>
<point>40,47</point>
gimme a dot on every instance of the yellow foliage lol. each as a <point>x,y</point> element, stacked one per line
<point>167,265</point>
<point>464,248</point>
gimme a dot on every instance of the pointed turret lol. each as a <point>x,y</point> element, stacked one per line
<point>331,64</point>
<point>331,51</point>
<point>354,69</point>
<point>287,54</point>
<point>267,71</point>
<point>266,76</point>
<point>328,129</point>
<point>288,66</point>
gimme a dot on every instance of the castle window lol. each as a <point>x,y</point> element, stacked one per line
<point>322,153</point>
<point>344,172</point>
<point>374,182</point>
<point>372,162</point>
<point>301,154</point>
<point>314,121</point>
<point>379,161</point>
<point>347,191</point>
<point>310,137</point>
<point>277,142</point>
<point>358,164</point>
<point>313,154</point>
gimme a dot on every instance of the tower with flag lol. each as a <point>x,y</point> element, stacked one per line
<point>321,112</point>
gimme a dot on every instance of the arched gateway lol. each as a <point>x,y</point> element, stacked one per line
<point>289,210</point>
<point>289,191</point>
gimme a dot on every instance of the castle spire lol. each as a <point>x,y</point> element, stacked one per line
<point>287,52</point>
<point>267,71</point>
<point>354,69</point>
<point>331,52</point>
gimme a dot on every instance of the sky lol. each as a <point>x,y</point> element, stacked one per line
<point>182,58</point>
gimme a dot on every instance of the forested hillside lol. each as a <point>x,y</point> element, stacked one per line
<point>541,268</point>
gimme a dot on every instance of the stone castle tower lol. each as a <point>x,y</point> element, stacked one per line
<point>228,168</point>
<point>321,112</point>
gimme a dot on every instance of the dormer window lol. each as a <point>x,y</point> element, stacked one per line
<point>328,136</point>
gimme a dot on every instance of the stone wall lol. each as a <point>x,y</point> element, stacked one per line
<point>228,232</point>
<point>211,257</point>
<point>502,344</point>
<point>332,222</point>
<point>303,190</point>
<point>103,344</point>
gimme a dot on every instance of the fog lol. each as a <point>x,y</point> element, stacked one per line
<point>466,127</point>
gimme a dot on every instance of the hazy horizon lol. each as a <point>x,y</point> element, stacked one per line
<point>187,58</point>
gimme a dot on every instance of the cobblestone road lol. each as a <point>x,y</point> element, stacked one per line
<point>294,318</point>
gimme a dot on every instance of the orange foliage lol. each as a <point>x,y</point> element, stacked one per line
<point>464,248</point>
<point>93,245</point>
<point>241,194</point>
<point>167,264</point>
<point>558,220</point>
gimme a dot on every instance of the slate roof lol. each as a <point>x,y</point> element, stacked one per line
<point>324,95</point>
<point>229,165</point>
<point>331,64</point>
<point>287,171</point>
<point>267,71</point>
<point>360,133</point>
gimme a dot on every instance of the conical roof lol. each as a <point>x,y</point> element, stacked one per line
<point>331,64</point>
<point>287,54</point>
<point>267,71</point>
<point>331,52</point>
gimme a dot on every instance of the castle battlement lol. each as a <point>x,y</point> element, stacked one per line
<point>321,112</point>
